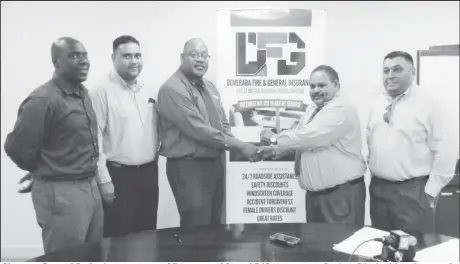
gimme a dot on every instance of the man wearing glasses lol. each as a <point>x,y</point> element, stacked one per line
<point>128,164</point>
<point>407,151</point>
<point>195,133</point>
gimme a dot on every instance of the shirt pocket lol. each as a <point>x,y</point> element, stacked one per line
<point>91,114</point>
<point>73,117</point>
<point>150,111</point>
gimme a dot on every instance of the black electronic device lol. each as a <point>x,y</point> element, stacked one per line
<point>285,239</point>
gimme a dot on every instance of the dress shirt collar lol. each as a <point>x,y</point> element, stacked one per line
<point>337,96</point>
<point>183,77</point>
<point>66,88</point>
<point>116,78</point>
<point>397,98</point>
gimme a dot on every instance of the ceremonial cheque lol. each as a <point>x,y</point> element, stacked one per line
<point>230,132</point>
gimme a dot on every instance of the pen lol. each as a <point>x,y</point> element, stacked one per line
<point>176,237</point>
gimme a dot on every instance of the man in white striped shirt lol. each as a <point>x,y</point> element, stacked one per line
<point>329,164</point>
<point>408,159</point>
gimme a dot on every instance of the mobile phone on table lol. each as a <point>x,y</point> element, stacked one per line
<point>285,239</point>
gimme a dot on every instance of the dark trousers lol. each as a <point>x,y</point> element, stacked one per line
<point>135,207</point>
<point>401,205</point>
<point>69,212</point>
<point>197,186</point>
<point>342,204</point>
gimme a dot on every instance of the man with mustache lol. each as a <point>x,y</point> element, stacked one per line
<point>408,159</point>
<point>128,164</point>
<point>327,145</point>
<point>55,140</point>
<point>194,133</point>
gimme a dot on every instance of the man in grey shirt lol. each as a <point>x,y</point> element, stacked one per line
<point>194,133</point>
<point>55,140</point>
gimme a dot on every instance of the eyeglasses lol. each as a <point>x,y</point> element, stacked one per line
<point>196,56</point>
<point>387,114</point>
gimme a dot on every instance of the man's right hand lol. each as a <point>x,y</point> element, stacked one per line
<point>249,151</point>
<point>107,192</point>
<point>266,152</point>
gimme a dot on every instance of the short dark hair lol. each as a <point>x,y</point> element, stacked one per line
<point>123,40</point>
<point>403,54</point>
<point>56,47</point>
<point>333,75</point>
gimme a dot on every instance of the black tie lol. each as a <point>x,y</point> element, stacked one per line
<point>210,108</point>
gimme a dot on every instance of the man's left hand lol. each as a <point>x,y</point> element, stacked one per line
<point>27,186</point>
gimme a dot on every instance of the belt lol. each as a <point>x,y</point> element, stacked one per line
<point>420,178</point>
<point>194,158</point>
<point>335,188</point>
<point>119,165</point>
<point>65,178</point>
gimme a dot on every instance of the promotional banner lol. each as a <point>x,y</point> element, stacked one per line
<point>265,57</point>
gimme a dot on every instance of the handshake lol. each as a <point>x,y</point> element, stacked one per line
<point>253,153</point>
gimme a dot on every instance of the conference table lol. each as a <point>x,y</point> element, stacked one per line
<point>224,243</point>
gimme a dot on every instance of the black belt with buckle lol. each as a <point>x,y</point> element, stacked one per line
<point>119,165</point>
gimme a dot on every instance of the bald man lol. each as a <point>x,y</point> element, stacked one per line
<point>55,140</point>
<point>195,133</point>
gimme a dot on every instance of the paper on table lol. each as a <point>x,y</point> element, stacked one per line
<point>444,252</point>
<point>248,134</point>
<point>369,249</point>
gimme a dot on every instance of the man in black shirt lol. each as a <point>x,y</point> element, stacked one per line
<point>55,140</point>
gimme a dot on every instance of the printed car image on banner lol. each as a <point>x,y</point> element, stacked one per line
<point>265,57</point>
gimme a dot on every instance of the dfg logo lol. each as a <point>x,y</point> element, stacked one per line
<point>261,39</point>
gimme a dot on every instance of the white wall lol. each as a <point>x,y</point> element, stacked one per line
<point>359,35</point>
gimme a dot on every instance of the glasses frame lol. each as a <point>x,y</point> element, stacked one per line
<point>197,56</point>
